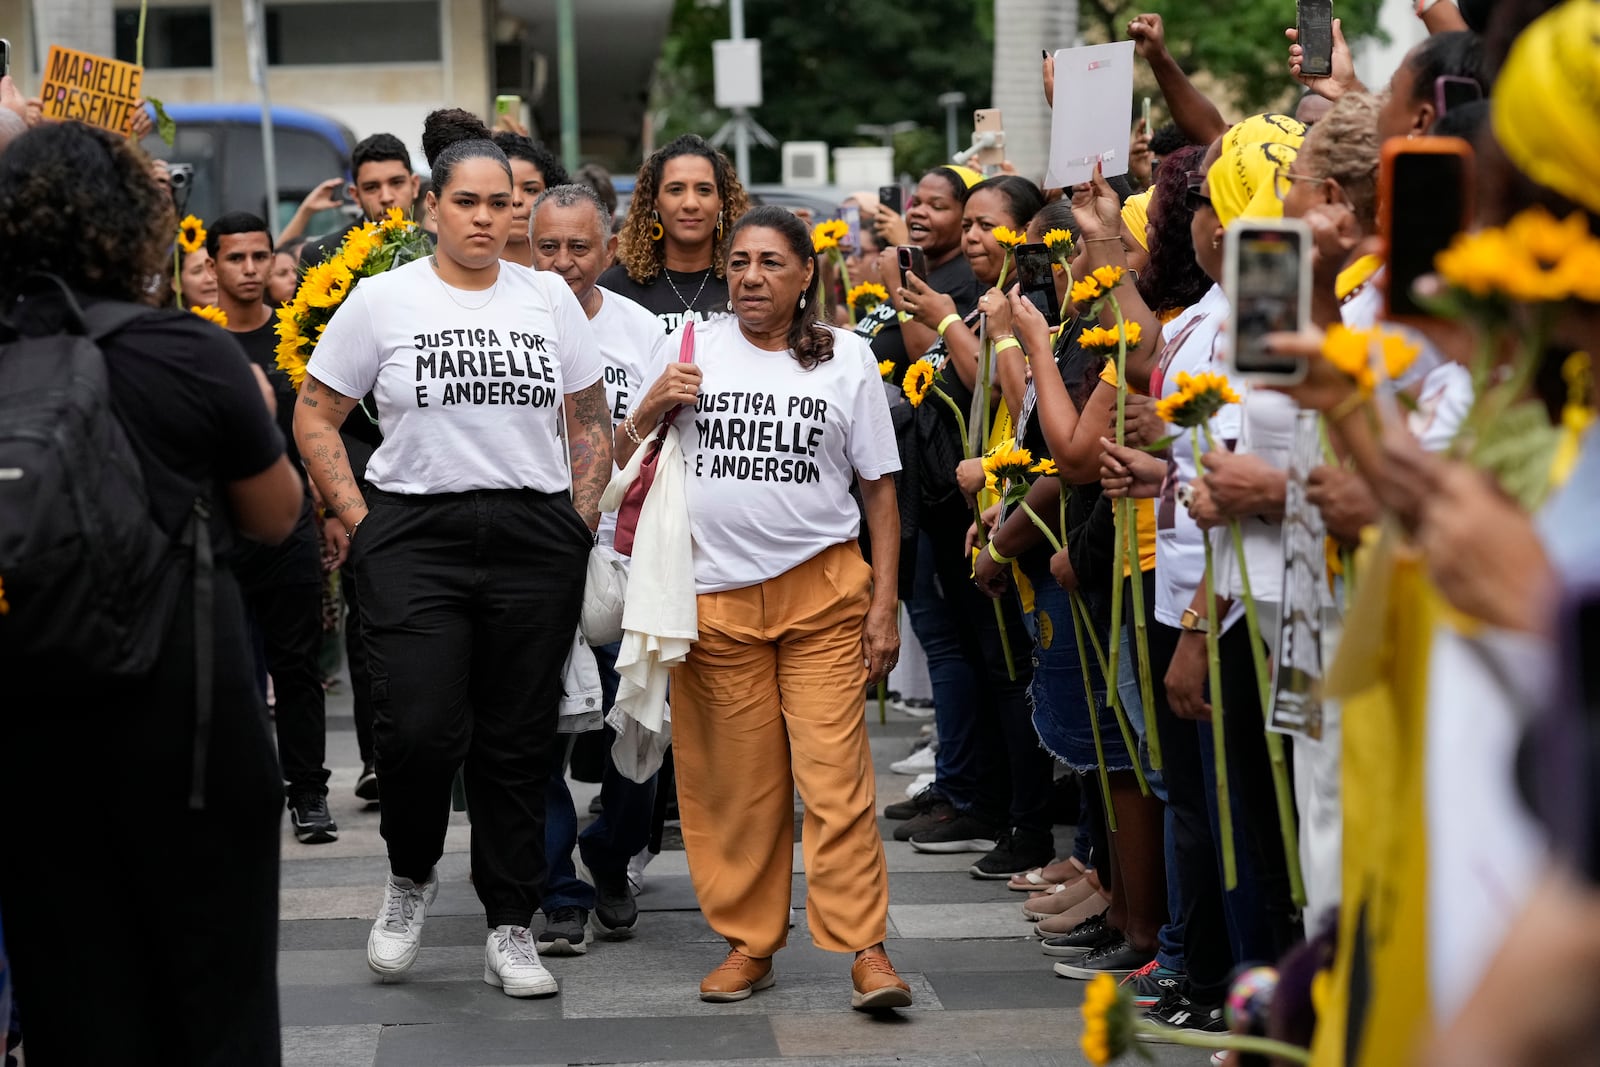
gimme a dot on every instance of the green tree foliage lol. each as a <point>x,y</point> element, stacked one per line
<point>1239,43</point>
<point>829,65</point>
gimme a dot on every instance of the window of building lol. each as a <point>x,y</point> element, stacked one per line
<point>351,31</point>
<point>173,36</point>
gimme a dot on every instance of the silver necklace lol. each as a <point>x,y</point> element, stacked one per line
<point>434,259</point>
<point>688,305</point>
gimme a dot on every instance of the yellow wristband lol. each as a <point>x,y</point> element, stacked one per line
<point>944,323</point>
<point>995,555</point>
<point>1004,343</point>
<point>905,316</point>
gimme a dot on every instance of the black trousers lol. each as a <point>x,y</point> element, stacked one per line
<point>193,895</point>
<point>469,603</point>
<point>283,592</point>
<point>355,654</point>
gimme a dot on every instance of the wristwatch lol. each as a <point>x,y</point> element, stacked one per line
<point>1191,621</point>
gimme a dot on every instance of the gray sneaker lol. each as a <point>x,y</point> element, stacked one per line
<point>396,936</point>
<point>566,933</point>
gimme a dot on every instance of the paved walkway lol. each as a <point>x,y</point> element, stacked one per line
<point>984,993</point>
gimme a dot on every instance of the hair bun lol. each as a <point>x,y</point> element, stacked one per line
<point>447,126</point>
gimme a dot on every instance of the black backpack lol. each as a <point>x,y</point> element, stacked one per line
<point>90,579</point>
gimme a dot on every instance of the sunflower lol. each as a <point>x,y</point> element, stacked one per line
<point>1084,290</point>
<point>917,382</point>
<point>395,219</point>
<point>211,313</point>
<point>329,284</point>
<point>1398,352</point>
<point>1045,466</point>
<point>1008,238</point>
<point>1348,350</point>
<point>5,605</point>
<point>1108,277</point>
<point>825,236</point>
<point>1109,337</point>
<point>1006,462</point>
<point>867,297</point>
<point>886,368</point>
<point>191,234</point>
<point>1107,1020</point>
<point>1199,397</point>
<point>1533,259</point>
<point>1057,236</point>
<point>359,244</point>
<point>1061,245</point>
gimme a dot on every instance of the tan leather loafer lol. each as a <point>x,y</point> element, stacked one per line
<point>737,977</point>
<point>876,985</point>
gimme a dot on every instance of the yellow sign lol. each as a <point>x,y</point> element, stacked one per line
<point>80,87</point>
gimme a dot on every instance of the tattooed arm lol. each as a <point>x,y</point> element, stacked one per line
<point>588,422</point>
<point>318,414</point>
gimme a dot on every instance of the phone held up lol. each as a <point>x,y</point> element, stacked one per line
<point>1037,281</point>
<point>851,214</point>
<point>912,261</point>
<point>893,198</point>
<point>5,57</point>
<point>1425,189</point>
<point>1451,92</point>
<point>1315,20</point>
<point>1267,274</point>
<point>987,120</point>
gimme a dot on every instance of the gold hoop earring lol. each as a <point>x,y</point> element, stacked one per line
<point>657,231</point>
<point>719,225</point>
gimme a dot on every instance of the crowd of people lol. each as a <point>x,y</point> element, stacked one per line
<point>1310,655</point>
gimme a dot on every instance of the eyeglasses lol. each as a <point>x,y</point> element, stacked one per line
<point>1194,199</point>
<point>1284,180</point>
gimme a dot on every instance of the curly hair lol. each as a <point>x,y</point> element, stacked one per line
<point>79,203</point>
<point>446,126</point>
<point>643,257</point>
<point>516,146</point>
<point>809,340</point>
<point>1344,146</point>
<point>1173,280</point>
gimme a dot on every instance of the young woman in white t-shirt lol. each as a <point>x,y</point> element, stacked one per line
<point>469,547</point>
<point>779,416</point>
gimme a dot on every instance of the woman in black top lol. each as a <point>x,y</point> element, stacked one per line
<point>191,894</point>
<point>670,255</point>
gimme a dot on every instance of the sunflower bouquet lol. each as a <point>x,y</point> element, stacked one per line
<point>1112,1029</point>
<point>865,298</point>
<point>1514,282</point>
<point>825,241</point>
<point>191,238</point>
<point>369,249</point>
<point>1097,290</point>
<point>211,313</point>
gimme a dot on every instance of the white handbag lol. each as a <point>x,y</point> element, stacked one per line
<point>604,590</point>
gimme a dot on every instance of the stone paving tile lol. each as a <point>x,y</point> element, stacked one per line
<point>503,1043</point>
<point>330,1046</point>
<point>958,920</point>
<point>657,993</point>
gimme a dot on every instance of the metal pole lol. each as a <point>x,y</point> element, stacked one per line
<point>255,27</point>
<point>567,49</point>
<point>741,116</point>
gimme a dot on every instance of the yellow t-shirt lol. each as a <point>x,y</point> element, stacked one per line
<point>1144,511</point>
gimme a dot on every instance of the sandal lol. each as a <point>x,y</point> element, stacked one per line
<point>1040,879</point>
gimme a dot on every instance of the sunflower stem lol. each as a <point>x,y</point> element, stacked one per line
<point>1275,754</point>
<point>983,539</point>
<point>1079,609</point>
<point>1114,699</point>
<point>1230,866</point>
<point>844,282</point>
<point>1049,534</point>
<point>1118,514</point>
<point>177,276</point>
<point>138,44</point>
<point>1141,640</point>
<point>1264,1046</point>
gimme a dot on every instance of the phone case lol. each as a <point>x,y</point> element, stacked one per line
<point>1231,281</point>
<point>1387,157</point>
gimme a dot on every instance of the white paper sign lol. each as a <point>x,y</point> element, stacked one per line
<point>1090,119</point>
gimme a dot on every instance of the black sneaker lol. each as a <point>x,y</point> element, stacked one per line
<point>1082,939</point>
<point>596,806</point>
<point>906,809</point>
<point>614,909</point>
<point>1152,982</point>
<point>1178,1014</point>
<point>1116,958</point>
<point>963,833</point>
<point>566,933</point>
<point>1016,851</point>
<point>367,784</point>
<point>938,814</point>
<point>313,825</point>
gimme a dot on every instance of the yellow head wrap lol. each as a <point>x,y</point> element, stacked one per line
<point>1544,107</point>
<point>1136,216</point>
<point>967,176</point>
<point>1243,181</point>
<point>1269,128</point>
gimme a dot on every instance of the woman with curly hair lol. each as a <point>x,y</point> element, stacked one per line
<point>670,256</point>
<point>80,204</point>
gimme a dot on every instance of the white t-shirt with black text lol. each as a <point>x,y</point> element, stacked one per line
<point>469,385</point>
<point>628,336</point>
<point>772,449</point>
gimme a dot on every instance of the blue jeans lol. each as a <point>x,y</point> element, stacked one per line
<point>1061,711</point>
<point>955,685</point>
<point>608,843</point>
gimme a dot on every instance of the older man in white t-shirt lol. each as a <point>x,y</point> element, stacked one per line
<point>571,235</point>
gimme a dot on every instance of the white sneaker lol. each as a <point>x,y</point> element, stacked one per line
<point>636,868</point>
<point>919,761</point>
<point>511,962</point>
<point>396,936</point>
<point>918,784</point>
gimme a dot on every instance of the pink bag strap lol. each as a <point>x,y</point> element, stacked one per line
<point>685,355</point>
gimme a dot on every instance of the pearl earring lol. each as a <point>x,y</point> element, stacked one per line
<point>730,303</point>
<point>802,301</point>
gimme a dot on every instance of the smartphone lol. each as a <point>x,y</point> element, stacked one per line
<point>912,261</point>
<point>1266,268</point>
<point>893,198</point>
<point>1037,281</point>
<point>988,120</point>
<point>5,57</point>
<point>1425,198</point>
<point>1450,92</point>
<point>1316,37</point>
<point>508,105</point>
<point>851,214</point>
